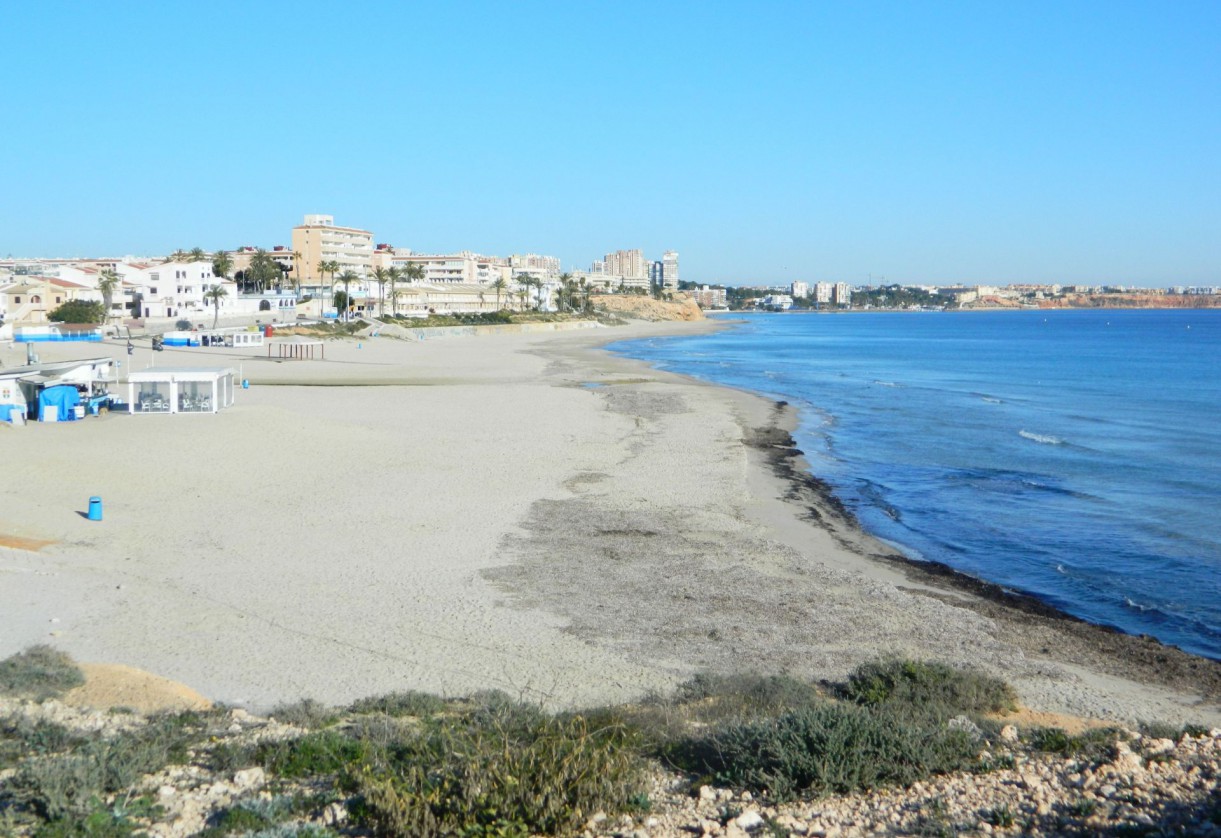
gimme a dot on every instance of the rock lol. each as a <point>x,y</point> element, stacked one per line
<point>166,792</point>
<point>1009,734</point>
<point>707,793</point>
<point>749,821</point>
<point>791,824</point>
<point>1159,746</point>
<point>1107,791</point>
<point>966,726</point>
<point>249,778</point>
<point>334,814</point>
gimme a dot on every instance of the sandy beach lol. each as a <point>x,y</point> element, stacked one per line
<point>519,512</point>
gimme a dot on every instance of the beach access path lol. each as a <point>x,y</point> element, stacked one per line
<point>525,512</point>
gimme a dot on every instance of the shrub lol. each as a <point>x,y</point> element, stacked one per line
<point>78,311</point>
<point>503,771</point>
<point>1165,730</point>
<point>1096,745</point>
<point>253,815</point>
<point>828,747</point>
<point>39,672</point>
<point>227,756</point>
<point>726,695</point>
<point>324,752</point>
<point>409,703</point>
<point>21,737</point>
<point>926,689</point>
<point>306,713</point>
<point>58,787</point>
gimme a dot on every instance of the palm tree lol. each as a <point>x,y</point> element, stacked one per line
<point>381,278</point>
<point>325,268</point>
<point>347,278</point>
<point>179,255</point>
<point>393,275</point>
<point>537,284</point>
<point>222,263</point>
<point>415,272</point>
<point>262,268</point>
<point>500,285</point>
<point>197,254</point>
<point>216,293</point>
<point>107,282</point>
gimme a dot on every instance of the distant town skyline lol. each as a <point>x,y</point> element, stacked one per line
<point>767,143</point>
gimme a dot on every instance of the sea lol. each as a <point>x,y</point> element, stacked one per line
<point>1073,455</point>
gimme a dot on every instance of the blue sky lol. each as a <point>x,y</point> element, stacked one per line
<point>767,141</point>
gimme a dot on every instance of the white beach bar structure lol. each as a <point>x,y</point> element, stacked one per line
<point>180,390</point>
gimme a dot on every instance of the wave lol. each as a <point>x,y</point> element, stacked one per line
<point>991,400</point>
<point>887,384</point>
<point>1042,439</point>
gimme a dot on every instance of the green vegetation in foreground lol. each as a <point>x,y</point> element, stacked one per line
<point>411,763</point>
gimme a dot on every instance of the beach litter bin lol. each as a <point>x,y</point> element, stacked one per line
<point>268,331</point>
<point>95,508</point>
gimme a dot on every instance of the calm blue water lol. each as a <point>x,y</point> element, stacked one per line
<point>1070,454</point>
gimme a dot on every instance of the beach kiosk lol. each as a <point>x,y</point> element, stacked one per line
<point>180,390</point>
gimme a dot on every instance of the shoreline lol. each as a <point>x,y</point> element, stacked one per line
<point>531,513</point>
<point>790,465</point>
<point>1118,652</point>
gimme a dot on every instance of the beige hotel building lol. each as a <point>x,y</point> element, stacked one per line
<point>319,240</point>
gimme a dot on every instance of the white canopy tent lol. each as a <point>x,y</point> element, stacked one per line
<point>180,390</point>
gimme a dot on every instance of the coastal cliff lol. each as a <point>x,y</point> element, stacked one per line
<point>1135,301</point>
<point>646,308</point>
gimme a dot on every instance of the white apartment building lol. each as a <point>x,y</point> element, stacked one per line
<point>611,282</point>
<point>669,270</point>
<point>710,297</point>
<point>442,269</point>
<point>320,240</point>
<point>172,289</point>
<point>843,294</point>
<point>823,292</point>
<point>533,263</point>
<point>799,289</point>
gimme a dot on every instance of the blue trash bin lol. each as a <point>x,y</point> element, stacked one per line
<point>95,508</point>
